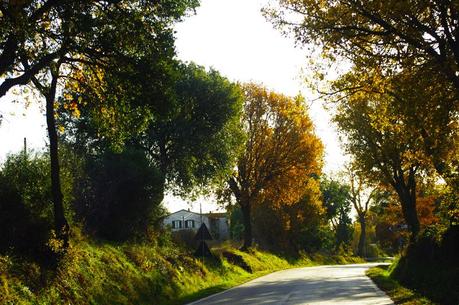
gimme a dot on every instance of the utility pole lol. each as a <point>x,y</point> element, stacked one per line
<point>25,148</point>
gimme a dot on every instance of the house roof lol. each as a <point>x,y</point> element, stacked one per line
<point>183,211</point>
<point>215,215</point>
<point>210,215</point>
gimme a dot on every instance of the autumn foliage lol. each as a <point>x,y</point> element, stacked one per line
<point>281,154</point>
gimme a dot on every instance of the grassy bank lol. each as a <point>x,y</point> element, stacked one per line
<point>398,293</point>
<point>96,273</point>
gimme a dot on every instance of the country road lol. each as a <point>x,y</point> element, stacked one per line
<point>344,284</point>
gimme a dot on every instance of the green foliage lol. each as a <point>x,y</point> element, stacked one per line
<point>34,35</point>
<point>195,137</point>
<point>337,204</point>
<point>120,198</point>
<point>236,223</point>
<point>184,117</point>
<point>26,214</point>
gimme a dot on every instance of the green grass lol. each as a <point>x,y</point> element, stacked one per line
<point>111,274</point>
<point>398,293</point>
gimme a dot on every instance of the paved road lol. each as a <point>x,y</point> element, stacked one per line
<point>345,284</point>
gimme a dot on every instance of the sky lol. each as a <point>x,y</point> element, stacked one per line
<point>233,37</point>
<point>230,36</point>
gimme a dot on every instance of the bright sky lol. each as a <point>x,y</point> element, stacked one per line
<point>234,38</point>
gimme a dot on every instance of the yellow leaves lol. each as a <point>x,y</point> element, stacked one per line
<point>282,150</point>
<point>55,244</point>
<point>72,106</point>
<point>67,96</point>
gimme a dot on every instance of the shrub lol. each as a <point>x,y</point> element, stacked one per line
<point>120,198</point>
<point>25,205</point>
<point>430,265</point>
<point>185,238</point>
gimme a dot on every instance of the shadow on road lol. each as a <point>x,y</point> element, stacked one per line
<point>295,288</point>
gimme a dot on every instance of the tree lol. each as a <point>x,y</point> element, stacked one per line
<point>383,33</point>
<point>119,198</point>
<point>25,203</point>
<point>185,118</point>
<point>195,136</point>
<point>387,217</point>
<point>337,204</point>
<point>407,51</point>
<point>383,148</point>
<point>45,42</point>
<point>280,154</point>
<point>35,34</point>
<point>357,189</point>
<point>293,227</point>
<point>424,107</point>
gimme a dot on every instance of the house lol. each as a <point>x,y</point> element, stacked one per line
<point>217,223</point>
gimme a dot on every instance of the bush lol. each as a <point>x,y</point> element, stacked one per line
<point>374,251</point>
<point>430,265</point>
<point>25,205</point>
<point>120,198</point>
<point>185,238</point>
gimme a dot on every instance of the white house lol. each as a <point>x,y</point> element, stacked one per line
<point>217,223</point>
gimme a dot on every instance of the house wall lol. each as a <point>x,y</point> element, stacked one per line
<point>220,223</point>
<point>183,216</point>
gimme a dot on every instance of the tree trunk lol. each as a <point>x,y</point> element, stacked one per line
<point>361,250</point>
<point>245,208</point>
<point>406,191</point>
<point>60,222</point>
<point>408,202</point>
<point>411,216</point>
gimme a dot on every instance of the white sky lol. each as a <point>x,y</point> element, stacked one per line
<point>234,38</point>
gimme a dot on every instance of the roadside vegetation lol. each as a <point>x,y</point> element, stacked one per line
<point>398,293</point>
<point>147,273</point>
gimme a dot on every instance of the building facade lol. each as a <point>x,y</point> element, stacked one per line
<point>217,223</point>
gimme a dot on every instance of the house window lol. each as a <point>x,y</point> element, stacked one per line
<point>176,224</point>
<point>189,223</point>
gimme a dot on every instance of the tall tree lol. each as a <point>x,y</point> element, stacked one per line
<point>336,199</point>
<point>43,42</point>
<point>186,118</point>
<point>361,205</point>
<point>194,138</point>
<point>383,148</point>
<point>281,152</point>
<point>61,225</point>
<point>412,46</point>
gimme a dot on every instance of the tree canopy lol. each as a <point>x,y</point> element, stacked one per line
<point>280,155</point>
<point>35,34</point>
<point>389,34</point>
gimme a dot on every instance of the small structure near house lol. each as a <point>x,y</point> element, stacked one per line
<point>217,223</point>
<point>201,236</point>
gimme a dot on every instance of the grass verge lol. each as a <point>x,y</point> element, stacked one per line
<point>94,273</point>
<point>398,293</point>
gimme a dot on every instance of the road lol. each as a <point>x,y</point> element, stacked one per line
<point>344,284</point>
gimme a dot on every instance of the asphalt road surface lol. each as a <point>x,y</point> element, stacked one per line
<point>345,284</point>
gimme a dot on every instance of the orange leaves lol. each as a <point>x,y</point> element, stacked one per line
<point>282,150</point>
<point>425,208</point>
